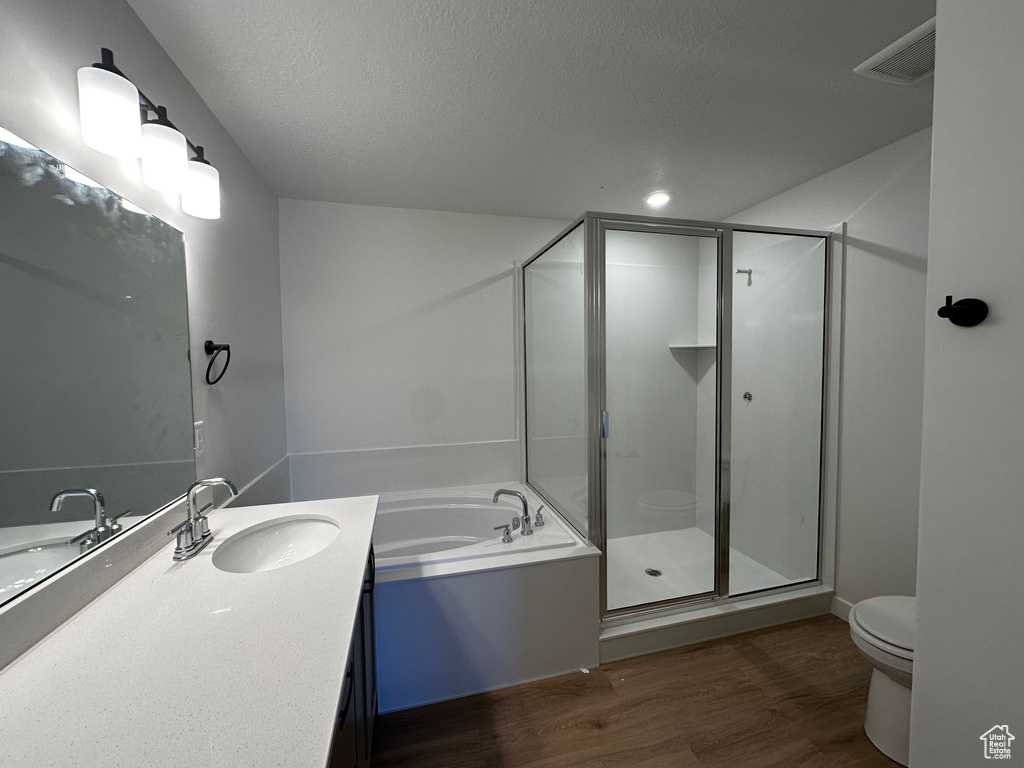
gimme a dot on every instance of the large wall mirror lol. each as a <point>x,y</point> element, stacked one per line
<point>95,384</point>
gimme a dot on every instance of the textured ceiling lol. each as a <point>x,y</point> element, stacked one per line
<point>531,108</point>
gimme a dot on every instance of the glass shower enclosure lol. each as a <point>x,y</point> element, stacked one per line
<point>675,376</point>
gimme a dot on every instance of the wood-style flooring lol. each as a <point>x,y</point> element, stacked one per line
<point>787,696</point>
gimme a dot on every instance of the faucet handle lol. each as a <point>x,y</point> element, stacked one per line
<point>538,519</point>
<point>79,538</point>
<point>203,524</point>
<point>506,536</point>
<point>114,523</point>
<point>185,538</point>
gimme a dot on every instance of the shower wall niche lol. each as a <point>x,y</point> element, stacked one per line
<point>674,392</point>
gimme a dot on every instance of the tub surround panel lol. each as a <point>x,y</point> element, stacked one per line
<point>208,641</point>
<point>452,636</point>
<point>347,473</point>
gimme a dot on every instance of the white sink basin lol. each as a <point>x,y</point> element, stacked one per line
<point>275,544</point>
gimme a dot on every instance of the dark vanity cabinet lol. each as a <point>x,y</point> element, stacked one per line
<point>353,738</point>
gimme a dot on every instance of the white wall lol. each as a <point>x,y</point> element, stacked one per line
<point>399,334</point>
<point>968,673</point>
<point>232,263</point>
<point>884,198</point>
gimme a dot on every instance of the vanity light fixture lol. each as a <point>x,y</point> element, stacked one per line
<point>164,154</point>
<point>201,195</point>
<point>120,120</point>
<point>108,103</point>
<point>658,199</point>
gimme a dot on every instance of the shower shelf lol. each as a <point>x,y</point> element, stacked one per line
<point>691,346</point>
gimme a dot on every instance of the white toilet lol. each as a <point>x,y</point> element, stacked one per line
<point>883,630</point>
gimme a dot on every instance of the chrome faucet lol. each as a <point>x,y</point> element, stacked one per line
<point>527,528</point>
<point>101,532</point>
<point>194,532</point>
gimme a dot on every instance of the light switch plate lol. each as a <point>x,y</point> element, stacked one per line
<point>200,437</point>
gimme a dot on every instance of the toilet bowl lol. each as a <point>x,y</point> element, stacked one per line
<point>667,510</point>
<point>883,629</point>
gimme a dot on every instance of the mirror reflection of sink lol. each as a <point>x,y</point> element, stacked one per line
<point>275,544</point>
<point>23,567</point>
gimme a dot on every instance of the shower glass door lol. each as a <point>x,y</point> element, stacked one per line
<point>554,292</point>
<point>675,391</point>
<point>661,290</point>
<point>778,342</point>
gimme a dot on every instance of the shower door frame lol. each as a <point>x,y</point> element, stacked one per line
<point>595,225</point>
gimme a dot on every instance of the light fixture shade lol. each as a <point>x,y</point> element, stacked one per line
<point>164,158</point>
<point>201,196</point>
<point>109,108</point>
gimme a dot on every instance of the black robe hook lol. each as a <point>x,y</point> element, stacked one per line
<point>966,312</point>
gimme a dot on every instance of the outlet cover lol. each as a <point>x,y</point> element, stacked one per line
<point>200,438</point>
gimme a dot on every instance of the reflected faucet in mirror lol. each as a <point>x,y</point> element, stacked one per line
<point>194,532</point>
<point>101,532</point>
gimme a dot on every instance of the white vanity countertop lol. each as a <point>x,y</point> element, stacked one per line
<point>181,664</point>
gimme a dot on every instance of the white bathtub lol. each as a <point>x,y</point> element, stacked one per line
<point>421,528</point>
<point>459,612</point>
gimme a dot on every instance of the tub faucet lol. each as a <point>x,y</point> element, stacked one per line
<point>101,532</point>
<point>194,532</point>
<point>527,528</point>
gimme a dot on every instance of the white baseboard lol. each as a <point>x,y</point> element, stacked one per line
<point>842,608</point>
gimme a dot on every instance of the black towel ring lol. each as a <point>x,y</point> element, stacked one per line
<point>216,349</point>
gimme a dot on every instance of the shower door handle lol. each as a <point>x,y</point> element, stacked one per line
<point>605,425</point>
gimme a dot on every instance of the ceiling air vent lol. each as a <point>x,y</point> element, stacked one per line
<point>908,60</point>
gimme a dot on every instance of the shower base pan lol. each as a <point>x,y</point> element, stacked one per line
<point>685,560</point>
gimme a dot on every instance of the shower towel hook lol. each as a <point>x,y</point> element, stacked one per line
<point>215,350</point>
<point>749,273</point>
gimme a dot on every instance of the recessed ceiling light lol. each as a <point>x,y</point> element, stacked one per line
<point>658,199</point>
